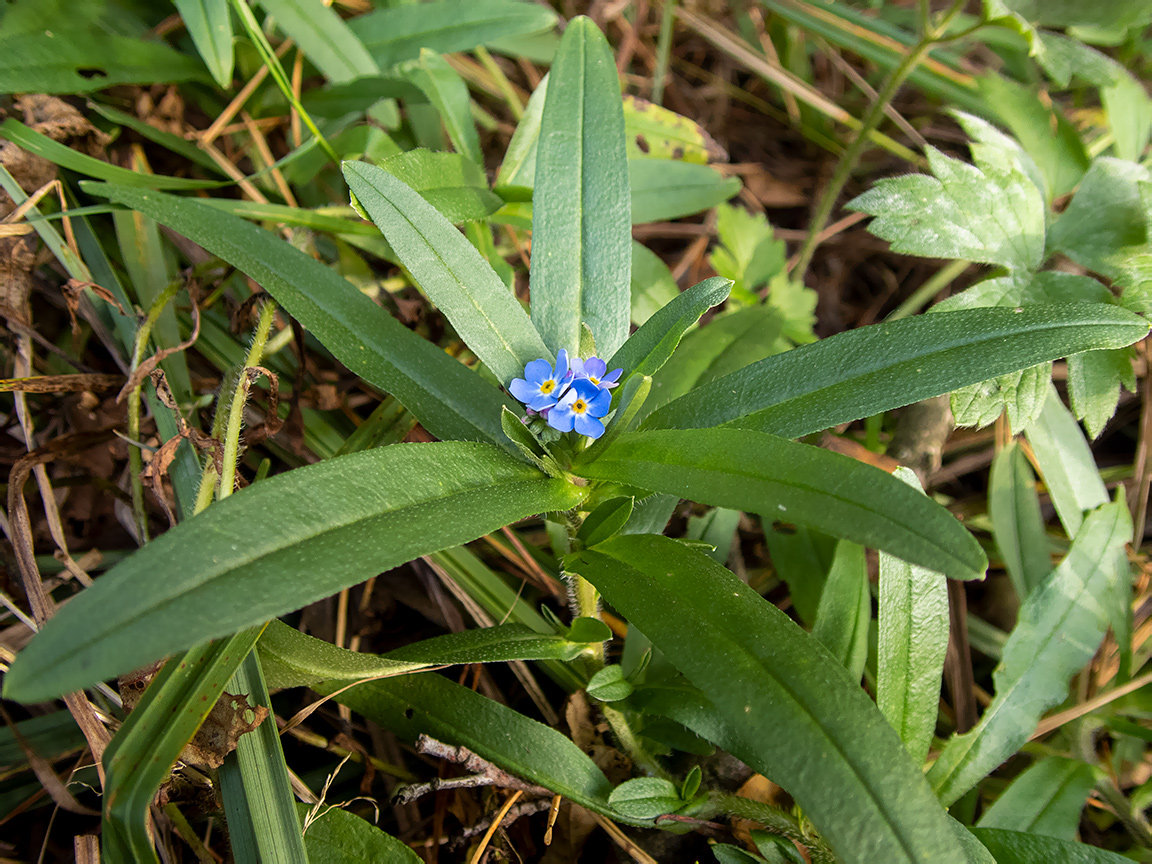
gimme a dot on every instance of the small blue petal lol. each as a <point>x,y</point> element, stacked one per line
<point>522,390</point>
<point>594,367</point>
<point>599,404</point>
<point>562,363</point>
<point>589,426</point>
<point>538,371</point>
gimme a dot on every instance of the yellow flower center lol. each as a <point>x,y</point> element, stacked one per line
<point>594,380</point>
<point>579,406</point>
<point>548,386</point>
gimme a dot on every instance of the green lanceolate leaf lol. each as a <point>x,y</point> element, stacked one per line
<point>451,400</point>
<point>665,189</point>
<point>324,38</point>
<point>650,347</point>
<point>396,33</point>
<point>605,521</point>
<point>450,182</point>
<point>1060,626</point>
<point>337,836</point>
<point>461,283</point>
<point>846,609</point>
<point>279,545</point>
<point>1014,847</point>
<point>1017,524</point>
<point>1066,463</point>
<point>884,366</point>
<point>209,23</point>
<point>781,479</point>
<point>790,709</point>
<point>581,252</point>
<point>293,659</point>
<point>1094,381</point>
<point>1046,799</point>
<point>429,704</point>
<point>447,91</point>
<point>913,624</point>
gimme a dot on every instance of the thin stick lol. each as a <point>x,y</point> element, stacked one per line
<point>213,132</point>
<point>1057,720</point>
<point>487,838</point>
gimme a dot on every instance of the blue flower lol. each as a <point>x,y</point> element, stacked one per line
<point>580,408</point>
<point>542,384</point>
<point>593,370</point>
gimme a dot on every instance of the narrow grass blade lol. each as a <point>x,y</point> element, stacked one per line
<point>581,239</point>
<point>791,710</point>
<point>209,23</point>
<point>308,532</point>
<point>845,610</point>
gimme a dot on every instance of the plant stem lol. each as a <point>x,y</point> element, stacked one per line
<point>930,36</point>
<point>630,744</point>
<point>236,411</point>
<point>663,51</point>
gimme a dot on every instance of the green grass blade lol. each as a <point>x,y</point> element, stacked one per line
<point>790,709</point>
<point>209,23</point>
<point>456,278</point>
<point>451,400</point>
<point>780,479</point>
<point>254,782</point>
<point>324,38</point>
<point>308,532</point>
<point>884,366</point>
<point>581,240</point>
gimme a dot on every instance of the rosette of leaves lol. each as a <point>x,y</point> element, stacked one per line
<point>750,679</point>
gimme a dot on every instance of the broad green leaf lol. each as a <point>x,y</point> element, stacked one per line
<point>429,704</point>
<point>646,797</point>
<point>337,836</point>
<point>1017,524</point>
<point>791,710</point>
<point>652,284</point>
<point>456,278</point>
<point>1046,799</point>
<point>1065,56</point>
<point>729,342</point>
<point>780,479</point>
<point>1120,14</point>
<point>651,514</point>
<point>309,532</point>
<point>1059,629</point>
<point>726,853</point>
<point>845,609</point>
<point>884,366</point>
<point>1041,128</point>
<point>529,444</point>
<point>209,23</point>
<point>451,400</point>
<point>60,154</point>
<point>79,59</point>
<point>292,659</point>
<point>581,256</point>
<point>974,851</point>
<point>913,628</point>
<point>1019,394</point>
<point>657,133</point>
<point>802,559</point>
<point>140,756</point>
<point>1129,112</point>
<point>1014,847</point>
<point>991,215</point>
<point>1066,464</point>
<point>605,521</point>
<point>325,39</point>
<point>447,91</point>
<point>450,182</point>
<point>1106,214</point>
<point>259,801</point>
<point>1094,381</point>
<point>664,189</point>
<point>396,33</point>
<point>649,348</point>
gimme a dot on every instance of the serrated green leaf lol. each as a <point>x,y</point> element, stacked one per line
<point>457,279</point>
<point>1065,56</point>
<point>1020,394</point>
<point>451,400</point>
<point>884,366</point>
<point>1094,382</point>
<point>664,189</point>
<point>845,609</point>
<point>1106,214</point>
<point>1017,524</point>
<point>310,532</point>
<point>327,42</point>
<point>1045,799</point>
<point>779,479</point>
<point>209,23</point>
<point>791,711</point>
<point>1066,463</point>
<point>990,215</point>
<point>581,255</point>
<point>396,33</point>
<point>750,254</point>
<point>913,628</point>
<point>1059,629</point>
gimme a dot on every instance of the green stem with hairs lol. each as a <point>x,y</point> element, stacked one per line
<point>240,397</point>
<point>932,34</point>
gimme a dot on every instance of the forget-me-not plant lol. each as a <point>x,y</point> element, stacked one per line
<point>571,395</point>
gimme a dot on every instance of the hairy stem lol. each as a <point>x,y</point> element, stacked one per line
<point>236,411</point>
